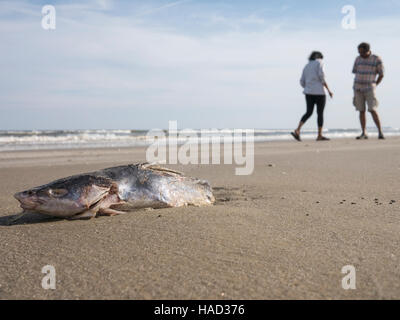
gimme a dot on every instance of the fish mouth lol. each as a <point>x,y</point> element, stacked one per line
<point>27,202</point>
<point>28,205</point>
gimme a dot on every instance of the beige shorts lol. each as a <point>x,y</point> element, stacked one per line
<point>362,98</point>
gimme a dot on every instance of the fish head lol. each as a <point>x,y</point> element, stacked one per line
<point>65,197</point>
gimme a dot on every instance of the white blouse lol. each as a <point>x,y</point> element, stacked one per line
<point>313,78</point>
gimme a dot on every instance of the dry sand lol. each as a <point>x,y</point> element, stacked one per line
<point>284,232</point>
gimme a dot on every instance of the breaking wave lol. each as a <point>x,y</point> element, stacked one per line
<point>67,139</point>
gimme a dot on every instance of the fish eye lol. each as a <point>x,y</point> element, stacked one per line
<point>57,192</point>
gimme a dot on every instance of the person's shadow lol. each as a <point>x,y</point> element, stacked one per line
<point>27,218</point>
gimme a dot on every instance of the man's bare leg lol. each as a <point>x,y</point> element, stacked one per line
<point>377,121</point>
<point>363,122</point>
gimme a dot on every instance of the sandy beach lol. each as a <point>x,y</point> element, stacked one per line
<point>284,232</point>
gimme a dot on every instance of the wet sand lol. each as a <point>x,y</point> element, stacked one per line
<point>284,232</point>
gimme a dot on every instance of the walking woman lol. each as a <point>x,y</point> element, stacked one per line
<point>313,82</point>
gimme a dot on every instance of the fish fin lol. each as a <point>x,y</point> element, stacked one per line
<point>110,212</point>
<point>110,199</point>
<point>156,167</point>
<point>86,214</point>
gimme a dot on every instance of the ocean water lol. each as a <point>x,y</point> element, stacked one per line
<point>71,139</point>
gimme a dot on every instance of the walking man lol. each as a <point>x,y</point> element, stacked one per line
<point>366,68</point>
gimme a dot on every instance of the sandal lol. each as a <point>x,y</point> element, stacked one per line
<point>322,138</point>
<point>295,135</point>
<point>363,136</point>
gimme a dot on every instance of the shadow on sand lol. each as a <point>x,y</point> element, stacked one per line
<point>27,218</point>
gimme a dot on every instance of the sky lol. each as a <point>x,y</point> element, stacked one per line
<point>207,64</point>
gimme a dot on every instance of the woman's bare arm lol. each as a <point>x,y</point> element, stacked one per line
<point>327,88</point>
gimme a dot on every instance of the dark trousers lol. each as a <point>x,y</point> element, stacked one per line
<point>311,101</point>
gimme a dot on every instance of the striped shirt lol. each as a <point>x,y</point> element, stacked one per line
<point>366,70</point>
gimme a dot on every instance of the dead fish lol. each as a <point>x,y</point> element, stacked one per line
<point>116,190</point>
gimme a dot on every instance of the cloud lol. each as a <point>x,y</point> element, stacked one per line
<point>166,6</point>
